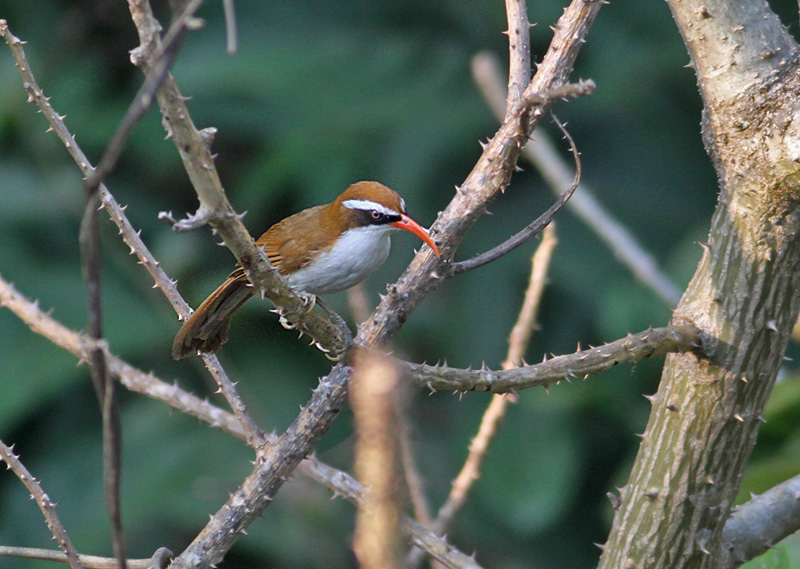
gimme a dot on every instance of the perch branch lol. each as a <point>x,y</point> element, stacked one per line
<point>653,342</point>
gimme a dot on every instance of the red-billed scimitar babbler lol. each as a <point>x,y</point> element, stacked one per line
<point>320,250</point>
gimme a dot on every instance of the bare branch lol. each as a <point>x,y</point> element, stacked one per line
<point>230,27</point>
<point>486,181</point>
<point>46,505</point>
<point>143,100</point>
<point>653,342</point>
<point>541,151</point>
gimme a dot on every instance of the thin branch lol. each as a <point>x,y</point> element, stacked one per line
<point>339,482</point>
<point>541,151</point>
<point>46,505</point>
<point>255,436</point>
<point>160,559</point>
<point>131,237</point>
<point>490,422</point>
<point>532,229</point>
<point>103,383</point>
<point>636,347</point>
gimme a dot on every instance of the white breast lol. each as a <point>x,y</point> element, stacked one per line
<point>357,254</point>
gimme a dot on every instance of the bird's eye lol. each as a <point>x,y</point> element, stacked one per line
<point>376,214</point>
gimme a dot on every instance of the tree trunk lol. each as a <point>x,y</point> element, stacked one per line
<point>743,298</point>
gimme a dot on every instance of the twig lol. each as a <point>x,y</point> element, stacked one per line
<point>542,153</point>
<point>143,99</point>
<point>46,505</point>
<point>373,401</point>
<point>159,561</point>
<point>652,342</point>
<point>103,383</point>
<point>532,229</point>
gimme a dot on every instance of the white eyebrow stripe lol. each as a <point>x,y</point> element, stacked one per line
<point>367,205</point>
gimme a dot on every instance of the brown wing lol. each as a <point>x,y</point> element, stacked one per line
<point>293,242</point>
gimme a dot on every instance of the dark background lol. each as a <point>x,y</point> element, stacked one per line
<point>320,95</point>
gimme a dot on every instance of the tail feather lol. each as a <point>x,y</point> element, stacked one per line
<point>207,329</point>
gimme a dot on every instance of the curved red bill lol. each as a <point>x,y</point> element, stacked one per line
<point>413,227</point>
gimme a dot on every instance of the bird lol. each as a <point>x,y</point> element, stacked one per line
<point>320,250</point>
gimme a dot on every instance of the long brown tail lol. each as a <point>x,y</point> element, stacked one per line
<point>207,329</point>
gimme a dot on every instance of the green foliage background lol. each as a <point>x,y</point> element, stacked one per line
<point>322,94</point>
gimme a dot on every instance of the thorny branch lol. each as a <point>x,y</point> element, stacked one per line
<point>653,342</point>
<point>47,506</point>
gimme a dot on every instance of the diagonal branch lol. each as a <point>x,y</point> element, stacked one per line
<point>489,177</point>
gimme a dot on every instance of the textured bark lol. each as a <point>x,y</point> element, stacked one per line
<point>743,298</point>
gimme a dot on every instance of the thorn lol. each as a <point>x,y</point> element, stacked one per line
<point>772,325</point>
